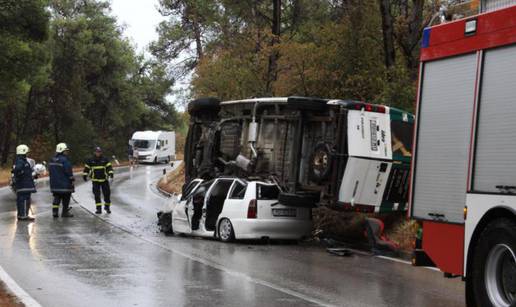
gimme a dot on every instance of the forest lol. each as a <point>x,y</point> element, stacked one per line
<point>68,73</point>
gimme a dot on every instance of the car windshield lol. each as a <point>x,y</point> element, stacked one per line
<point>144,144</point>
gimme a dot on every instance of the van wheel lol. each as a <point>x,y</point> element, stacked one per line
<point>225,231</point>
<point>493,275</point>
<point>321,162</point>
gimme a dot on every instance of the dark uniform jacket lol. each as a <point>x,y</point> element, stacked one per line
<point>61,174</point>
<point>23,181</point>
<point>98,169</point>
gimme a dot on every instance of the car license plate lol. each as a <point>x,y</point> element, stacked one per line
<point>289,212</point>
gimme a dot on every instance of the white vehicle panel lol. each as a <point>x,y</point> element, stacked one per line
<point>235,209</point>
<point>478,206</point>
<point>495,151</point>
<point>364,182</point>
<point>369,134</point>
<point>444,129</point>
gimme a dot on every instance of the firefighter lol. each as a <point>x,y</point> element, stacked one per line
<point>23,183</point>
<point>61,180</point>
<point>99,169</point>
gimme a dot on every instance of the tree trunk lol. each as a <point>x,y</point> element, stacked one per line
<point>411,33</point>
<point>388,33</point>
<point>272,71</point>
<point>7,131</point>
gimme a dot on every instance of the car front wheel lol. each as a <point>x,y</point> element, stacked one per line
<point>225,231</point>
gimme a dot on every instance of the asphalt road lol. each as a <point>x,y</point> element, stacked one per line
<point>122,260</point>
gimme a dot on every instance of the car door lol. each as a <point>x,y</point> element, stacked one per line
<point>235,206</point>
<point>214,202</point>
<point>180,221</point>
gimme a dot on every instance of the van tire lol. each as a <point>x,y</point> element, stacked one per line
<point>321,162</point>
<point>300,200</point>
<point>204,104</point>
<point>499,235</point>
<point>155,160</point>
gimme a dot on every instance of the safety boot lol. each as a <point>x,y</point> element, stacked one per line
<point>99,209</point>
<point>55,210</point>
<point>107,207</point>
<point>66,212</point>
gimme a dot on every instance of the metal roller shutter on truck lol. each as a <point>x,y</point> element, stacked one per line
<point>495,155</point>
<point>444,130</point>
<point>493,5</point>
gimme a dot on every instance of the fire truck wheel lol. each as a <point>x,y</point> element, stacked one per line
<point>321,162</point>
<point>493,275</point>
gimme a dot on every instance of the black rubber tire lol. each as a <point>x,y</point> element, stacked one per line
<point>156,160</point>
<point>204,104</point>
<point>499,231</point>
<point>306,103</point>
<point>232,233</point>
<point>300,200</point>
<point>165,222</point>
<point>323,172</point>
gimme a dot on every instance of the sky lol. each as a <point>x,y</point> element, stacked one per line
<point>140,18</point>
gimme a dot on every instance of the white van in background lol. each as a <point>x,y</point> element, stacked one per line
<point>154,146</point>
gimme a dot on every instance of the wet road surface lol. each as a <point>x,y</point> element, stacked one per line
<point>122,260</point>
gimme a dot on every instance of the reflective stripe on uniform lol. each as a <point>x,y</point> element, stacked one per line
<point>61,190</point>
<point>98,205</point>
<point>98,167</point>
<point>55,206</point>
<point>108,164</point>
<point>25,190</point>
<point>107,204</point>
<point>55,164</point>
<point>98,180</point>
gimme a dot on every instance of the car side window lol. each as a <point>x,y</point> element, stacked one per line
<point>238,191</point>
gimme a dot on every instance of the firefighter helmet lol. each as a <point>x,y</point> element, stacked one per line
<point>61,147</point>
<point>22,149</point>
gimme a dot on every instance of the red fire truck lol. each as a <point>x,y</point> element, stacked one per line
<point>464,167</point>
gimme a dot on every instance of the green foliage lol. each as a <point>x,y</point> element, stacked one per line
<point>331,49</point>
<point>72,77</point>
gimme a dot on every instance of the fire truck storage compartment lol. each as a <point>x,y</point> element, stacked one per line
<point>493,5</point>
<point>495,158</point>
<point>444,131</point>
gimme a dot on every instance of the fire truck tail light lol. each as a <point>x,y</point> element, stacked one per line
<point>465,212</point>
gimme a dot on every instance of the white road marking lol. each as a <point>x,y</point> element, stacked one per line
<point>218,266</point>
<point>12,286</point>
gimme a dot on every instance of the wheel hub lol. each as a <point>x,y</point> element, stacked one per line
<point>500,276</point>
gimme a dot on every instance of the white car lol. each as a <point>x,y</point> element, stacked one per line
<point>234,208</point>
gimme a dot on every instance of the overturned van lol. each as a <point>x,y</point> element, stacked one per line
<point>340,153</point>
